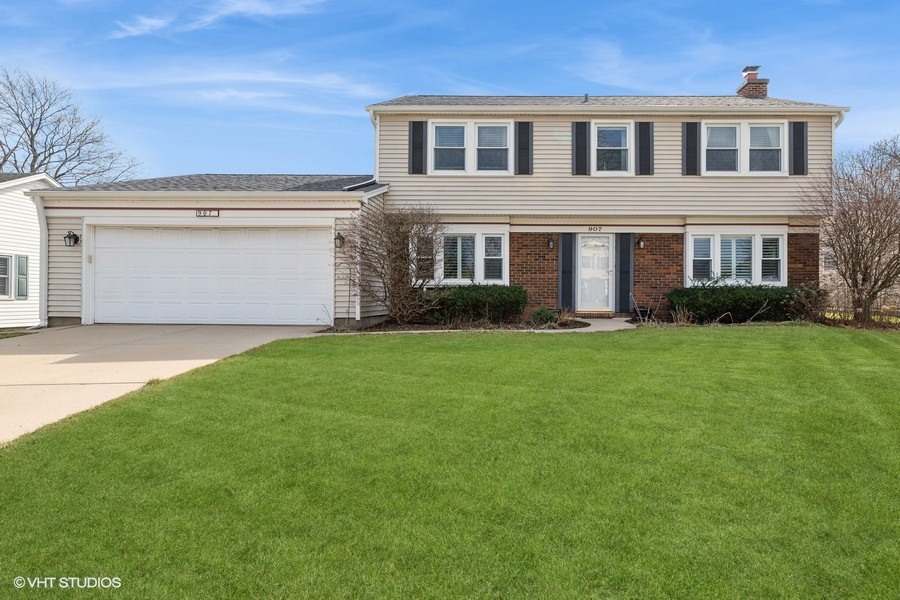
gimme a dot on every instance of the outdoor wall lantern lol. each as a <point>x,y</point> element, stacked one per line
<point>338,241</point>
<point>550,243</point>
<point>640,242</point>
<point>71,239</point>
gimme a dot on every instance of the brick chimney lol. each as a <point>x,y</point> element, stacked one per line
<point>753,86</point>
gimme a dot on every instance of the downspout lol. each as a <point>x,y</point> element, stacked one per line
<point>44,261</point>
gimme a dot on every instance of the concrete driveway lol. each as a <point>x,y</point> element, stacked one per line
<point>54,373</point>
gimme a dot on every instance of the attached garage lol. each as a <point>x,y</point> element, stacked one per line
<point>270,276</point>
<point>206,249</point>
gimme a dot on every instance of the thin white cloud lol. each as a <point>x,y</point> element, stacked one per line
<point>222,9</point>
<point>141,25</point>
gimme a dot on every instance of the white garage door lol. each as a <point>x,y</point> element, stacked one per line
<point>209,275</point>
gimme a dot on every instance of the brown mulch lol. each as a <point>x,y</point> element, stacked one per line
<point>479,326</point>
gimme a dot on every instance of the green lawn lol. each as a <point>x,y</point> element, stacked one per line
<point>695,463</point>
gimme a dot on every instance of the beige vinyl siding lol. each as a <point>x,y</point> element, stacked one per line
<point>553,190</point>
<point>63,268</point>
<point>20,235</point>
<point>344,288</point>
<point>371,308</point>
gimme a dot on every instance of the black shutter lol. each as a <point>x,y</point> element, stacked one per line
<point>581,148</point>
<point>524,147</point>
<point>624,272</point>
<point>799,154</point>
<point>644,151</point>
<point>690,148</point>
<point>418,147</point>
<point>566,272</point>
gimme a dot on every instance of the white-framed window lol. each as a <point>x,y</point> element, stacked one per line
<point>613,144</point>
<point>21,277</point>
<point>473,257</point>
<point>6,276</point>
<point>449,148</point>
<point>492,147</point>
<point>722,148</point>
<point>736,257</point>
<point>471,148</point>
<point>744,148</point>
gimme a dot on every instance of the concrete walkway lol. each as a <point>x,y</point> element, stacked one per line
<point>54,373</point>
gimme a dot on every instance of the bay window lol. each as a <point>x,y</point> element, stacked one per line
<point>735,257</point>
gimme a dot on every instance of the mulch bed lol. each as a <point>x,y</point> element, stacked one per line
<point>480,326</point>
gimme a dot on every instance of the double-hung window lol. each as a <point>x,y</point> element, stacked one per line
<point>735,258</point>
<point>493,147</point>
<point>474,258</point>
<point>722,148</point>
<point>765,148</point>
<point>745,148</point>
<point>702,261</point>
<point>449,148</point>
<point>471,148</point>
<point>613,148</point>
<point>5,276</point>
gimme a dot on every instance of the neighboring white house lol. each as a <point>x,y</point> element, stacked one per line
<point>20,249</point>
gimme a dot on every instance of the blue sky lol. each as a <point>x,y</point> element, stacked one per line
<point>279,86</point>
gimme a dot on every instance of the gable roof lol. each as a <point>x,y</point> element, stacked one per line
<point>4,177</point>
<point>236,183</point>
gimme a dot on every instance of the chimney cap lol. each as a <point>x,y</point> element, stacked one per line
<point>750,69</point>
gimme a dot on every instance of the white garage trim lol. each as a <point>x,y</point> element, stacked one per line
<point>89,295</point>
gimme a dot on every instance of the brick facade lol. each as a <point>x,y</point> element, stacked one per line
<point>535,266</point>
<point>658,267</point>
<point>803,258</point>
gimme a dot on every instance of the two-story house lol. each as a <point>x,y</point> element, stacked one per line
<point>595,204</point>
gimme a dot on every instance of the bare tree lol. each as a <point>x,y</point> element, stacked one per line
<point>395,253</point>
<point>42,130</point>
<point>858,206</point>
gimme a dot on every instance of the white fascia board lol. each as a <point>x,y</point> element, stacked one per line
<point>38,177</point>
<point>623,110</point>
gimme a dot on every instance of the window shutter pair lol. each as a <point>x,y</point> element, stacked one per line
<point>581,148</point>
<point>798,152</point>
<point>523,149</point>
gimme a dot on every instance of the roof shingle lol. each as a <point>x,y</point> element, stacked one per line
<point>598,101</point>
<point>233,183</point>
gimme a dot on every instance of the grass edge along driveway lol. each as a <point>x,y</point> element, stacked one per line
<point>699,462</point>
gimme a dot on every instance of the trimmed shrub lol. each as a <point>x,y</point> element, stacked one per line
<point>471,303</point>
<point>741,303</point>
<point>544,316</point>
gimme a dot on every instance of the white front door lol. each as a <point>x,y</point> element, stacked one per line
<point>595,272</point>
